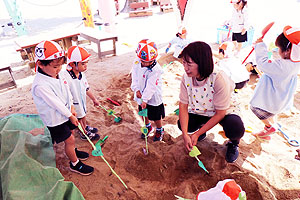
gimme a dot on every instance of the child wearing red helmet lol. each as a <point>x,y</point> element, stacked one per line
<point>180,41</point>
<point>275,89</point>
<point>53,100</point>
<point>77,60</point>
<point>147,86</point>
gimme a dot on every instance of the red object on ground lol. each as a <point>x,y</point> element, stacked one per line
<point>263,32</point>
<point>114,102</point>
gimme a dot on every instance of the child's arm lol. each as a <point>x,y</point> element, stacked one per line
<point>270,67</point>
<point>151,86</point>
<point>92,97</point>
<point>73,111</point>
<point>168,48</point>
<point>52,100</point>
<point>134,79</point>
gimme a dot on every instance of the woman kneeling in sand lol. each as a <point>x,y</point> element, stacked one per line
<point>205,100</point>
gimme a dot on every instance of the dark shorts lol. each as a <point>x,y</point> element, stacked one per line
<point>260,113</point>
<point>155,112</point>
<point>61,132</point>
<point>240,85</point>
<point>239,37</point>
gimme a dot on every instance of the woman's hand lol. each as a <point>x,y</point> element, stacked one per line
<point>194,139</point>
<point>187,142</point>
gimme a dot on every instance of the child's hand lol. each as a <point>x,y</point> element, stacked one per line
<point>73,111</point>
<point>74,120</point>
<point>96,102</point>
<point>243,31</point>
<point>144,105</point>
<point>259,40</point>
<point>138,94</point>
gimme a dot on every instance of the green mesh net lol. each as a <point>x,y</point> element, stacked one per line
<point>27,162</point>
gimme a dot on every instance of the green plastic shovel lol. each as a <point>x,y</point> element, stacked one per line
<point>194,153</point>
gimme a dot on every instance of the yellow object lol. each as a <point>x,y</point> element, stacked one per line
<point>86,12</point>
<point>195,152</point>
<point>249,129</point>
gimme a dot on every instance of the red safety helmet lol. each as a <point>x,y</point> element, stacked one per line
<point>147,50</point>
<point>77,54</point>
<point>48,50</point>
<point>293,35</point>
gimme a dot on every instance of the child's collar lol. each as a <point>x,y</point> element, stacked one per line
<point>152,65</point>
<point>72,74</point>
<point>44,73</point>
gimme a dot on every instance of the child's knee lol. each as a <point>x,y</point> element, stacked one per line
<point>70,140</point>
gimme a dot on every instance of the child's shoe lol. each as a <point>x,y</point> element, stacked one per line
<point>92,136</point>
<point>232,152</point>
<point>265,134</point>
<point>81,168</point>
<point>158,135</point>
<point>150,130</point>
<point>81,155</point>
<point>91,129</point>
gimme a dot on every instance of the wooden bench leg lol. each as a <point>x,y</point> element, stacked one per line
<point>114,46</point>
<point>99,49</point>
<point>10,72</point>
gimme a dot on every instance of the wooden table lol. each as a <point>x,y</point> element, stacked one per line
<point>97,37</point>
<point>27,44</point>
<point>10,83</point>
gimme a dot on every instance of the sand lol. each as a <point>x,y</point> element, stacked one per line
<point>264,170</point>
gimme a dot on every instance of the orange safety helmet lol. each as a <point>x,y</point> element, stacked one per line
<point>77,54</point>
<point>147,50</point>
<point>48,50</point>
<point>293,35</point>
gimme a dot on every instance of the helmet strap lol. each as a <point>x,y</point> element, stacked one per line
<point>152,65</point>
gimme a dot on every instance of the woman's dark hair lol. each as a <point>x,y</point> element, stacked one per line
<point>283,43</point>
<point>201,54</point>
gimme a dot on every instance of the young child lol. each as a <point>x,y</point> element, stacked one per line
<point>77,60</point>
<point>239,23</point>
<point>147,86</point>
<point>232,66</point>
<point>180,41</point>
<point>53,101</point>
<point>276,87</point>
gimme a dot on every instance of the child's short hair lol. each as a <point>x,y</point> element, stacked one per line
<point>283,43</point>
<point>47,62</point>
<point>201,54</point>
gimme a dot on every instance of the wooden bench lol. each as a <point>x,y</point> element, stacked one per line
<point>140,9</point>
<point>166,6</point>
<point>97,37</point>
<point>27,44</point>
<point>8,84</point>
